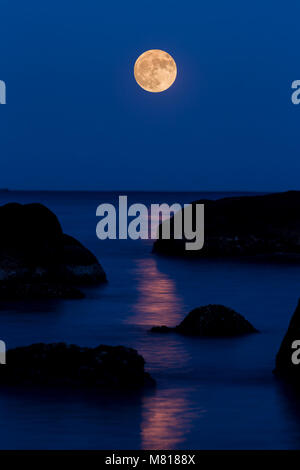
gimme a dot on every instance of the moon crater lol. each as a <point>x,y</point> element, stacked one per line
<point>155,70</point>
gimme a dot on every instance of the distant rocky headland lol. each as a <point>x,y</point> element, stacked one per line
<point>267,225</point>
<point>38,260</point>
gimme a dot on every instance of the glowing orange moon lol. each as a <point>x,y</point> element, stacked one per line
<point>155,70</point>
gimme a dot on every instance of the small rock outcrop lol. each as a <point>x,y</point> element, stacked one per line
<point>285,367</point>
<point>211,320</point>
<point>263,225</point>
<point>37,260</point>
<point>59,364</point>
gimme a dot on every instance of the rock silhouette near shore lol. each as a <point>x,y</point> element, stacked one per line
<point>59,364</point>
<point>210,320</point>
<point>37,260</point>
<point>266,225</point>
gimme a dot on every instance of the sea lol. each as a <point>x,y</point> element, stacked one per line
<point>210,393</point>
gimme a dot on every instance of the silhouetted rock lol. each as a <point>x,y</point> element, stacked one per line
<point>246,226</point>
<point>79,265</point>
<point>161,329</point>
<point>34,250</point>
<point>284,365</point>
<point>59,364</point>
<point>214,320</point>
<point>211,320</point>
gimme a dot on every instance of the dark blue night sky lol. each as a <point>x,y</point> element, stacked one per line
<point>76,119</point>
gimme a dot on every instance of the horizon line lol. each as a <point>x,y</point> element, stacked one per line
<point>4,190</point>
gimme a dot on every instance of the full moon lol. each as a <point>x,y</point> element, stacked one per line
<point>155,70</point>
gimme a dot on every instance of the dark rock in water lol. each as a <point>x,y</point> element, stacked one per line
<point>59,364</point>
<point>34,250</point>
<point>284,364</point>
<point>161,329</point>
<point>211,320</point>
<point>214,320</point>
<point>267,225</point>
